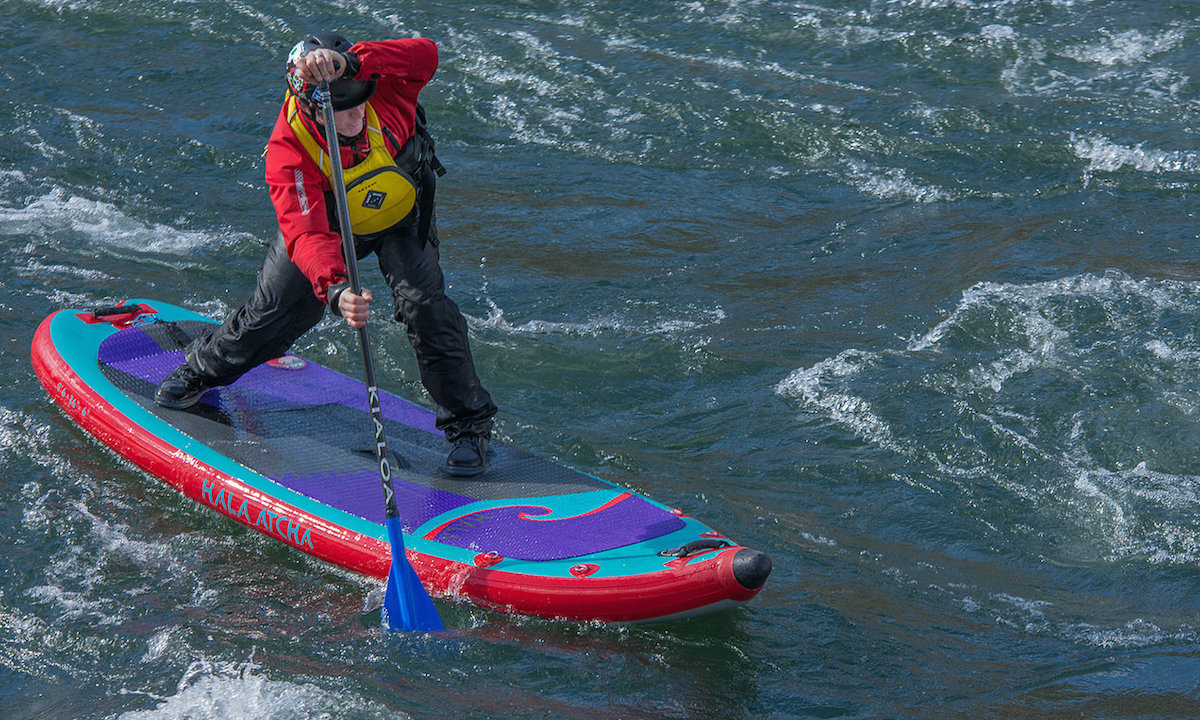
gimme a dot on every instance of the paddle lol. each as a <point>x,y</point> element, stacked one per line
<point>406,605</point>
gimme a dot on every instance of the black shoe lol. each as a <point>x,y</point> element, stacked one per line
<point>181,389</point>
<point>468,457</point>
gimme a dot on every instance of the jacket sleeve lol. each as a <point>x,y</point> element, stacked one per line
<point>406,60</point>
<point>401,68</point>
<point>297,189</point>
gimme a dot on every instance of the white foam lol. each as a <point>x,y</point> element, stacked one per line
<point>158,645</point>
<point>1034,608</point>
<point>1040,617</point>
<point>997,33</point>
<point>19,436</point>
<point>1160,349</point>
<point>24,638</point>
<point>892,184</point>
<point>1124,63</point>
<point>36,268</point>
<point>100,222</point>
<point>1136,509</point>
<point>241,691</point>
<point>1127,48</point>
<point>1136,633</point>
<point>811,386</point>
<point>1043,338</point>
<point>115,540</point>
<point>22,439</point>
<point>1105,155</point>
<point>1027,300</point>
<point>69,4</point>
<point>600,325</point>
<point>1109,512</point>
<point>75,582</point>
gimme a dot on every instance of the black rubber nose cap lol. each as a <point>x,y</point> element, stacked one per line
<point>751,568</point>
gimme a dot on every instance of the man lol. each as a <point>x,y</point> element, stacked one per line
<point>390,174</point>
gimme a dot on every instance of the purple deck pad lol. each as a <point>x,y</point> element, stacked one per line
<point>530,532</point>
<point>360,492</point>
<point>516,529</point>
<point>134,352</point>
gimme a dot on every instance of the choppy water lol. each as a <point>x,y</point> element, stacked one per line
<point>902,292</point>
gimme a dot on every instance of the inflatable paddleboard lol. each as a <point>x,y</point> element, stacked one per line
<point>288,450</point>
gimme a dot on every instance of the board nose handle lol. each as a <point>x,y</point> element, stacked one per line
<point>693,547</point>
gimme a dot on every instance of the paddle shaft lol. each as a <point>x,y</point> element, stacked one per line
<point>364,340</point>
<point>406,604</point>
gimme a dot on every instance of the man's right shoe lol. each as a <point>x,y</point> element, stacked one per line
<point>468,457</point>
<point>181,389</point>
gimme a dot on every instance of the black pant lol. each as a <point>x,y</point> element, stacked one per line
<point>283,308</point>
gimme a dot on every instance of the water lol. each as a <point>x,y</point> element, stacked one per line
<point>903,293</point>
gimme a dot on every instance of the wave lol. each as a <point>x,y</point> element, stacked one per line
<point>615,323</point>
<point>893,184</point>
<point>1106,156</point>
<point>1039,617</point>
<point>1131,47</point>
<point>1073,397</point>
<point>1112,68</point>
<point>102,223</point>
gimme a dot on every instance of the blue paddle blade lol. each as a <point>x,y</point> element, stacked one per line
<point>406,605</point>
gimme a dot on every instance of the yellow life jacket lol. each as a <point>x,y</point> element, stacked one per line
<point>378,193</point>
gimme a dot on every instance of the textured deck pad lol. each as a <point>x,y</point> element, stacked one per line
<point>307,428</point>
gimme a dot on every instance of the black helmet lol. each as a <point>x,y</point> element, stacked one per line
<point>345,93</point>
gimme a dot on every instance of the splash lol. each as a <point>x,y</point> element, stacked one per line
<point>241,690</point>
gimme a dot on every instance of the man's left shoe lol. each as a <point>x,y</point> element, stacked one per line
<point>468,457</point>
<point>181,389</point>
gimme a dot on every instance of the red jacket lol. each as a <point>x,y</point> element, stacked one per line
<point>297,185</point>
